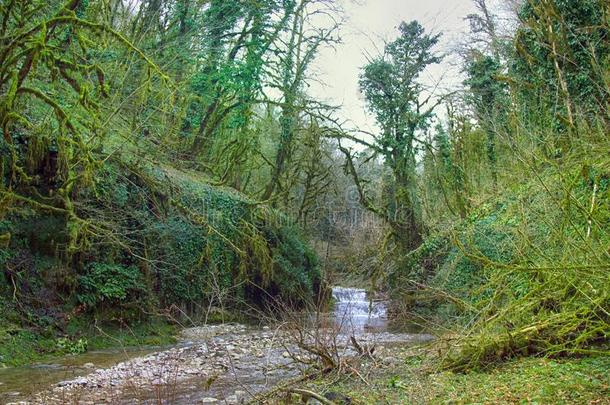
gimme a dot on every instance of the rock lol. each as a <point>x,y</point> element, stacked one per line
<point>232,399</point>
<point>338,398</point>
<point>158,381</point>
<point>80,381</point>
<point>250,356</point>
<point>391,361</point>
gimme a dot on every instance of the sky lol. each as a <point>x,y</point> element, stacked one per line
<point>371,23</point>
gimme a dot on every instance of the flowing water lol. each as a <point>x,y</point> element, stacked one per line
<point>355,312</point>
<point>17,383</point>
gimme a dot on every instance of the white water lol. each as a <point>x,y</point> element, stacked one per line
<point>354,309</point>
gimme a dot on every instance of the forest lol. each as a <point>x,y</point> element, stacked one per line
<point>178,203</point>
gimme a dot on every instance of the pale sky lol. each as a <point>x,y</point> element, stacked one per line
<point>369,23</point>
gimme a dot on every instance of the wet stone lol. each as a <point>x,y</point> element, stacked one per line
<point>223,352</point>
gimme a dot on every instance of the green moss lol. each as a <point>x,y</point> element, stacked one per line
<point>149,333</point>
<point>21,346</point>
<point>531,380</point>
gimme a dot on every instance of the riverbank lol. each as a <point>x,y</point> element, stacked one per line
<point>208,362</point>
<point>229,363</point>
<point>235,363</point>
<point>22,347</point>
<point>412,379</point>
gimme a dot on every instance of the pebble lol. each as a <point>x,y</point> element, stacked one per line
<point>223,352</point>
<point>157,381</point>
<point>391,361</point>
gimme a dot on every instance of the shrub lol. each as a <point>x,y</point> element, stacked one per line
<point>110,284</point>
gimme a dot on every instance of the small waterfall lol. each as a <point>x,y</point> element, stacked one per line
<point>353,308</point>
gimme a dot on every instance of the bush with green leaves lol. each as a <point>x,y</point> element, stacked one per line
<point>71,346</point>
<point>110,284</point>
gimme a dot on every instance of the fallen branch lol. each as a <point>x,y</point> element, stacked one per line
<point>310,394</point>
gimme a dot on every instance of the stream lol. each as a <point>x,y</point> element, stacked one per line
<point>225,364</point>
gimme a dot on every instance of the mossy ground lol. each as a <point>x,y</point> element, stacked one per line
<point>20,347</point>
<point>522,381</point>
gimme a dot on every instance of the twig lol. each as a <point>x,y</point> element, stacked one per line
<point>311,394</point>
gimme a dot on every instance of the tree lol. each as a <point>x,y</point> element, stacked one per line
<point>489,99</point>
<point>52,88</point>
<point>484,31</point>
<point>235,43</point>
<point>562,49</point>
<point>391,87</point>
<point>295,55</point>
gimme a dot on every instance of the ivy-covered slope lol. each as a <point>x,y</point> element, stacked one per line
<point>526,274</point>
<point>150,238</point>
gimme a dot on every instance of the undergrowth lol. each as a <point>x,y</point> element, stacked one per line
<point>167,246</point>
<point>529,380</point>
<point>526,275</point>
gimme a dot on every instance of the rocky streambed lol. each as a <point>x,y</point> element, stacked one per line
<point>226,364</point>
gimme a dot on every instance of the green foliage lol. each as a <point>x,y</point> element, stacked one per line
<point>20,346</point>
<point>198,241</point>
<point>393,92</point>
<point>561,57</point>
<point>69,346</point>
<point>296,270</point>
<point>525,267</point>
<point>99,219</point>
<point>529,380</point>
<point>529,295</point>
<point>421,263</point>
<point>485,86</point>
<point>490,99</point>
<point>148,332</point>
<point>110,284</point>
<point>387,80</point>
